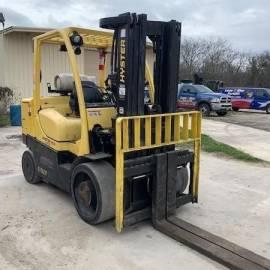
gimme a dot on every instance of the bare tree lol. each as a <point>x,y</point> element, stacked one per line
<point>213,58</point>
<point>192,54</point>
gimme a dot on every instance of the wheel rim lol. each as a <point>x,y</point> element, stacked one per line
<point>268,109</point>
<point>86,196</point>
<point>85,193</point>
<point>28,167</point>
<point>203,109</point>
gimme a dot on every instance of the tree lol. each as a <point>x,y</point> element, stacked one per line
<point>213,59</point>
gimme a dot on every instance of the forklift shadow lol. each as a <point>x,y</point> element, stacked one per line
<point>65,199</point>
<point>51,189</point>
<point>106,227</point>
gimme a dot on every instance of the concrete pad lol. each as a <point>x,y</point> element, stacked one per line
<point>40,229</point>
<point>250,140</point>
<point>11,150</point>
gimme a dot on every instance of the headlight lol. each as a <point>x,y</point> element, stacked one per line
<point>75,39</point>
<point>215,100</point>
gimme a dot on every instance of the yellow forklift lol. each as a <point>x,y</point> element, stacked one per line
<point>117,155</point>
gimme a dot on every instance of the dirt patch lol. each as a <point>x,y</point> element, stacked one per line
<point>14,137</point>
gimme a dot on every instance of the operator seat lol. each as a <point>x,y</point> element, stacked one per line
<point>91,95</point>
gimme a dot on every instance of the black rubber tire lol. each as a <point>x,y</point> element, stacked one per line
<point>97,180</point>
<point>267,109</point>
<point>182,180</point>
<point>235,109</point>
<point>29,168</point>
<point>205,109</point>
<point>221,113</point>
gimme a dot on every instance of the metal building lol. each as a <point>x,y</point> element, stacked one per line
<point>16,61</point>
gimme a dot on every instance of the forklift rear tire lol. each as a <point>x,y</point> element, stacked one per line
<point>93,191</point>
<point>29,168</point>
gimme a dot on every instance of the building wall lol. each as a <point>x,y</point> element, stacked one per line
<point>1,60</point>
<point>91,62</point>
<point>16,63</point>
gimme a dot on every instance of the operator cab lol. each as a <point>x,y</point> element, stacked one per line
<point>61,121</point>
<point>94,96</point>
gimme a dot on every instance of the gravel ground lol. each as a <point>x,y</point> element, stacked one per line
<point>11,149</point>
<point>249,118</point>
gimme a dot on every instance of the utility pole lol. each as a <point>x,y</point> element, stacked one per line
<point>2,19</point>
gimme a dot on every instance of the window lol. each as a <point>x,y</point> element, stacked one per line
<point>249,93</point>
<point>202,89</point>
<point>188,89</point>
<point>261,93</point>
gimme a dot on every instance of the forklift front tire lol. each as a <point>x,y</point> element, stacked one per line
<point>93,191</point>
<point>29,168</point>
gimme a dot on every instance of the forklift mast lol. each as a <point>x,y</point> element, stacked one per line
<point>158,134</point>
<point>128,60</point>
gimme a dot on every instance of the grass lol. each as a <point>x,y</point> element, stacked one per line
<point>4,120</point>
<point>212,146</point>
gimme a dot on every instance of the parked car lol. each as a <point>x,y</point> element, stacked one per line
<point>248,98</point>
<point>196,96</point>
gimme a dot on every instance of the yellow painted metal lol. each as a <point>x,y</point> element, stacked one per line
<point>27,116</point>
<point>147,130</point>
<point>176,129</point>
<point>194,125</point>
<point>36,76</point>
<point>91,38</point>
<point>125,134</point>
<point>119,173</point>
<point>59,127</point>
<point>197,151</point>
<point>83,146</point>
<point>168,129</point>
<point>137,133</point>
<point>157,130</point>
<point>149,78</point>
<point>100,116</point>
<point>192,135</point>
<point>185,127</point>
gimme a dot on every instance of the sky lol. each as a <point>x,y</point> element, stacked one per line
<point>244,23</point>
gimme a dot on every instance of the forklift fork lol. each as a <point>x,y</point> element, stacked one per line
<point>177,128</point>
<point>165,221</point>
